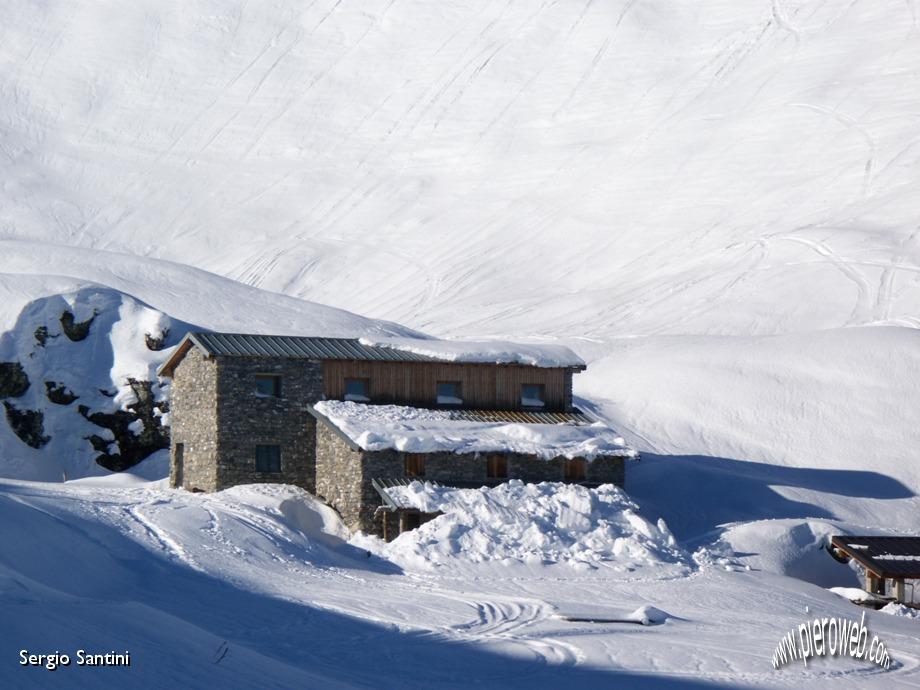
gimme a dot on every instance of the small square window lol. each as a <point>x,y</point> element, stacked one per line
<point>357,390</point>
<point>575,470</point>
<point>268,385</point>
<point>532,395</point>
<point>268,458</point>
<point>450,393</point>
<point>415,465</point>
<point>497,467</point>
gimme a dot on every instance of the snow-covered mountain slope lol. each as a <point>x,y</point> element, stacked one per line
<point>257,587</point>
<point>704,176</point>
<point>721,173</point>
<point>789,426</point>
<point>477,166</point>
<point>712,202</point>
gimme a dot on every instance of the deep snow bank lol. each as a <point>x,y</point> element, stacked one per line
<point>531,524</point>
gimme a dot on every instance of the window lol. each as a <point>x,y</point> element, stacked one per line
<point>357,390</point>
<point>497,467</point>
<point>268,458</point>
<point>575,470</point>
<point>449,393</point>
<point>268,385</point>
<point>532,394</point>
<point>415,465</point>
<point>412,521</point>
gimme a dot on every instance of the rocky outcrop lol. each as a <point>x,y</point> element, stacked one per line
<point>156,342</point>
<point>28,425</point>
<point>142,416</point>
<point>13,380</point>
<point>59,394</point>
<point>41,335</point>
<point>76,330</point>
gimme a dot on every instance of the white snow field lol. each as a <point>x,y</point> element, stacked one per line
<point>713,203</point>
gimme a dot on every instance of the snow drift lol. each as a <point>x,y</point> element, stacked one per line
<point>517,523</point>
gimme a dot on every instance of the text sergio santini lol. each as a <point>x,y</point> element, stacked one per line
<point>84,658</point>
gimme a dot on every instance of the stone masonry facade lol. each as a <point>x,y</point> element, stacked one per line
<point>219,419</point>
<point>343,475</point>
<point>193,412</point>
<point>247,419</point>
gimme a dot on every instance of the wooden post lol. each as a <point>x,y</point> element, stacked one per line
<point>899,590</point>
<point>874,585</point>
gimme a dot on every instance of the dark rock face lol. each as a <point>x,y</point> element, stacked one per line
<point>28,425</point>
<point>73,329</point>
<point>156,342</point>
<point>13,380</point>
<point>59,394</point>
<point>41,335</point>
<point>131,448</point>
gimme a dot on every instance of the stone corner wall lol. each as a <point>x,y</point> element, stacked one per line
<point>247,419</point>
<point>340,478</point>
<point>193,413</point>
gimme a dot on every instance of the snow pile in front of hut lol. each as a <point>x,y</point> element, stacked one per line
<point>531,525</point>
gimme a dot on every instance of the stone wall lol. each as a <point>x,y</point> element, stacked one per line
<point>247,419</point>
<point>340,477</point>
<point>344,475</point>
<point>193,405</point>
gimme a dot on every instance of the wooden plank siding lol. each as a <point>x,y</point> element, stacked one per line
<point>484,386</point>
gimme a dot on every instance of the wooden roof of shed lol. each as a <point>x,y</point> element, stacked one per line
<point>884,557</point>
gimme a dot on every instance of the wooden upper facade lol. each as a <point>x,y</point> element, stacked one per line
<point>480,386</point>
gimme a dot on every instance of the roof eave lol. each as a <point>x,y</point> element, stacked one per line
<point>320,417</point>
<point>167,368</point>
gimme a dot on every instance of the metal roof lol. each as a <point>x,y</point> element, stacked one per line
<point>306,347</point>
<point>885,557</point>
<point>242,345</point>
<point>521,417</point>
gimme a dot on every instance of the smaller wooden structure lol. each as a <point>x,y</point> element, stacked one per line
<point>883,558</point>
<point>399,518</point>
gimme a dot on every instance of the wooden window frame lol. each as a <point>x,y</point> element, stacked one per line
<point>357,398</point>
<point>541,387</point>
<point>268,445</point>
<point>496,466</point>
<point>276,385</point>
<point>414,464</point>
<point>459,398</point>
<point>575,469</point>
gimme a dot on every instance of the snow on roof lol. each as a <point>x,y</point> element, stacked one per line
<point>485,352</point>
<point>417,430</point>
